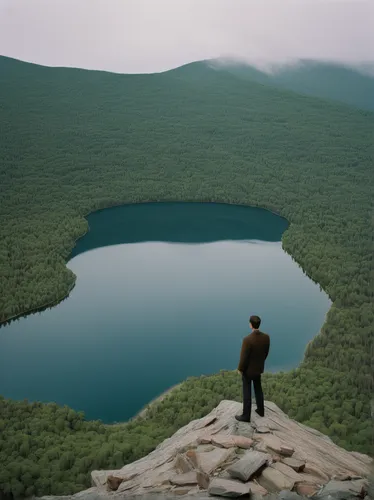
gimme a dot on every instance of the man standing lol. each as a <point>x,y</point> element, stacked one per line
<point>255,349</point>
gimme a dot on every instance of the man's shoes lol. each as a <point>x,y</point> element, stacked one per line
<point>242,418</point>
<point>258,413</point>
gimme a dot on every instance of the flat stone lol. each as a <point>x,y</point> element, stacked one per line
<point>243,442</point>
<point>286,451</point>
<point>294,463</point>
<point>344,489</point>
<point>189,478</point>
<point>306,489</point>
<point>180,491</point>
<point>223,441</point>
<point>257,489</point>
<point>182,464</point>
<point>113,482</point>
<point>248,465</point>
<point>287,471</point>
<point>274,443</point>
<point>202,480</point>
<point>209,461</point>
<point>308,478</point>
<point>228,488</point>
<point>274,480</point>
<point>271,442</point>
<point>315,471</point>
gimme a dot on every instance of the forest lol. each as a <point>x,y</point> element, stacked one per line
<point>74,141</point>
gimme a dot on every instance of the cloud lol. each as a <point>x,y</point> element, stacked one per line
<point>132,36</point>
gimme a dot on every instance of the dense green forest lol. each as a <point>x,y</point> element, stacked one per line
<point>46,449</point>
<point>353,86</point>
<point>73,141</point>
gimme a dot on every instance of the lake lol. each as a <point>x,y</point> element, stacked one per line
<point>164,291</point>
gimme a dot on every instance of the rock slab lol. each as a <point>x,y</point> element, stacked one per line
<point>189,478</point>
<point>209,461</point>
<point>343,489</point>
<point>225,441</point>
<point>182,464</point>
<point>274,480</point>
<point>287,471</point>
<point>294,463</point>
<point>306,489</point>
<point>228,488</point>
<point>247,466</point>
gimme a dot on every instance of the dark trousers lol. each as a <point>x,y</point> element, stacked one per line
<point>247,395</point>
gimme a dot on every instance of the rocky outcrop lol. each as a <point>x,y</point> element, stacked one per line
<point>218,456</point>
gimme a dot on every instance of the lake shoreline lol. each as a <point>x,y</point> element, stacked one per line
<point>57,301</point>
<point>143,412</point>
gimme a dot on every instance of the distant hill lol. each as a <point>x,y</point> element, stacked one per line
<point>314,78</point>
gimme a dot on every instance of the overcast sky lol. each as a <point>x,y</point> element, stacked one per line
<point>130,36</point>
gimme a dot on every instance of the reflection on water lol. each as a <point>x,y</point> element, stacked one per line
<point>144,316</point>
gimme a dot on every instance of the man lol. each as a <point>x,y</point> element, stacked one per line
<point>255,349</point>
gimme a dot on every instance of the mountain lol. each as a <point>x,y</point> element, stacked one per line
<point>349,85</point>
<point>216,455</point>
<point>75,141</point>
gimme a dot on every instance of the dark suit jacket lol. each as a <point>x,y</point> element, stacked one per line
<point>255,349</point>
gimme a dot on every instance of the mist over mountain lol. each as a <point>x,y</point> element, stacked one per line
<point>351,84</point>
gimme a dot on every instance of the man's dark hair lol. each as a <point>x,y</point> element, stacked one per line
<point>255,321</point>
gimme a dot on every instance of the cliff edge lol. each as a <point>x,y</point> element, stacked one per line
<point>273,457</point>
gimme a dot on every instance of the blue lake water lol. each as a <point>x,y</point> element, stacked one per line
<point>163,292</point>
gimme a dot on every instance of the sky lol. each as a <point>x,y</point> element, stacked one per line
<point>144,36</point>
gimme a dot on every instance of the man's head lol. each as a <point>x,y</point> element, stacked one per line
<point>255,322</point>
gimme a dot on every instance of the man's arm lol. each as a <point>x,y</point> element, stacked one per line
<point>267,349</point>
<point>244,356</point>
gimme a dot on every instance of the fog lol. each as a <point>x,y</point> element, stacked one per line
<point>141,36</point>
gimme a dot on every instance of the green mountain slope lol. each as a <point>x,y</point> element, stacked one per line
<point>74,141</point>
<point>318,79</point>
